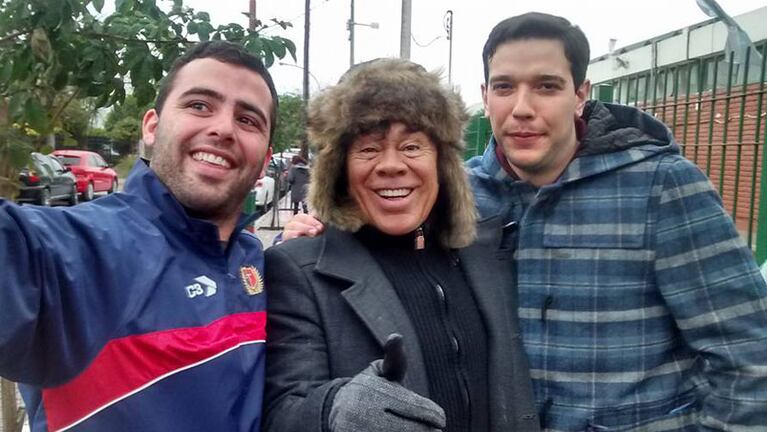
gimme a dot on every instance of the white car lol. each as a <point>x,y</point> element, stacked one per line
<point>264,193</point>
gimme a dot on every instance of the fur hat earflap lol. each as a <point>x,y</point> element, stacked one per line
<point>382,92</point>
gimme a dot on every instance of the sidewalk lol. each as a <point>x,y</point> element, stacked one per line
<point>272,222</point>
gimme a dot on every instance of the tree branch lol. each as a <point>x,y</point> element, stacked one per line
<point>64,105</point>
<point>12,36</point>
<point>129,39</point>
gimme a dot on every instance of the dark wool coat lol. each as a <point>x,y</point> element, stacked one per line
<point>298,178</point>
<point>331,308</point>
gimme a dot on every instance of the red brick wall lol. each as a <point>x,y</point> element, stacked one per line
<point>717,154</point>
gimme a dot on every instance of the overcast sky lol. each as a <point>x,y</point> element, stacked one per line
<point>627,21</point>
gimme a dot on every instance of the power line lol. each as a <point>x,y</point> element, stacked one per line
<point>301,15</point>
<point>427,44</point>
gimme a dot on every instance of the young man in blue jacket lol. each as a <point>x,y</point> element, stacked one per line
<point>641,307</point>
<point>144,310</point>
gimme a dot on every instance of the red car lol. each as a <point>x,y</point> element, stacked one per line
<point>92,172</point>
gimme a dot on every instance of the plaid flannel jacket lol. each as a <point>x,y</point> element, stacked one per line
<point>641,307</point>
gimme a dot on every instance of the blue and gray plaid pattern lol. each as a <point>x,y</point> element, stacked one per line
<point>641,307</point>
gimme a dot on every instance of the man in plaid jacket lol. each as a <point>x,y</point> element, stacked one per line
<point>641,307</point>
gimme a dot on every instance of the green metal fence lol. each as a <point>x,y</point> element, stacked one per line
<point>477,135</point>
<point>715,107</point>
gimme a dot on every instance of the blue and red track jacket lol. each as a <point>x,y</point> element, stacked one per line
<point>125,314</point>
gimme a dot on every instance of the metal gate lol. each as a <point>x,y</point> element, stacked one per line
<point>715,107</point>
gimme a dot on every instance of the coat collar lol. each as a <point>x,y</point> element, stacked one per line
<point>615,136</point>
<point>372,297</point>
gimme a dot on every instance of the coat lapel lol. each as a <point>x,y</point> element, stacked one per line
<point>486,264</point>
<point>489,268</point>
<point>372,298</point>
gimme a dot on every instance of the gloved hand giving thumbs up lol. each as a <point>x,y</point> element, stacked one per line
<point>375,401</point>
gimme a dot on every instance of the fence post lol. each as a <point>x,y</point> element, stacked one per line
<point>761,222</point>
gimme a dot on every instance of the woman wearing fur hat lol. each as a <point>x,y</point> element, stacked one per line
<point>401,255</point>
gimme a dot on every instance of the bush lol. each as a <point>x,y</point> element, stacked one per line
<point>124,165</point>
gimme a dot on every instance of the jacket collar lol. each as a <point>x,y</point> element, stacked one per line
<point>616,136</point>
<point>163,207</point>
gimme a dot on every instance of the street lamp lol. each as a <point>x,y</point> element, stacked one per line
<point>350,26</point>
<point>316,81</point>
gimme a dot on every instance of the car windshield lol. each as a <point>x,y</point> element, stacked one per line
<point>69,160</point>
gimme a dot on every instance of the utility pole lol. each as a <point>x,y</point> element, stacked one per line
<point>252,15</point>
<point>350,25</point>
<point>449,30</point>
<point>307,14</point>
<point>404,38</point>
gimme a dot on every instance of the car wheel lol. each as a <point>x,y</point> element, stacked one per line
<point>45,198</point>
<point>88,194</point>
<point>73,196</point>
<point>113,189</point>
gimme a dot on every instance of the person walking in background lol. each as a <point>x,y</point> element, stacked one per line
<point>144,310</point>
<point>298,179</point>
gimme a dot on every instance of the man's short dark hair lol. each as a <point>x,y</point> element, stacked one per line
<point>536,25</point>
<point>225,52</point>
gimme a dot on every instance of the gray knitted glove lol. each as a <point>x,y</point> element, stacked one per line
<point>370,402</point>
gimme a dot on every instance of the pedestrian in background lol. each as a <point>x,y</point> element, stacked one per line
<point>298,179</point>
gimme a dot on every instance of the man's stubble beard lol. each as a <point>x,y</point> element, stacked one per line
<point>167,162</point>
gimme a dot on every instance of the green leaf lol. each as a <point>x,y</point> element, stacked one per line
<point>18,154</point>
<point>202,16</point>
<point>98,4</point>
<point>204,34</point>
<point>6,71</point>
<point>53,13</point>
<point>192,27</point>
<point>125,6</point>
<point>268,58</point>
<point>16,105</point>
<point>94,89</point>
<point>254,45</point>
<point>21,66</point>
<point>35,115</point>
<point>277,47</point>
<point>291,47</point>
<point>61,79</point>
<point>157,69</point>
<point>177,6</point>
<point>102,100</point>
